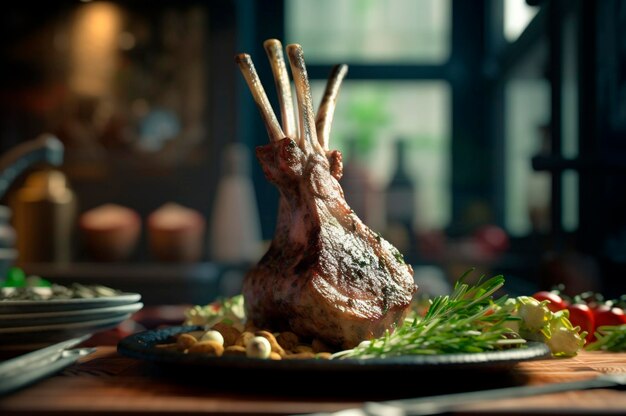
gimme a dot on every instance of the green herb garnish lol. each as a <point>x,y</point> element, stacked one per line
<point>228,310</point>
<point>609,338</point>
<point>468,320</point>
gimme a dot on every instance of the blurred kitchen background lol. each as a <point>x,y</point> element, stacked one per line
<point>475,133</point>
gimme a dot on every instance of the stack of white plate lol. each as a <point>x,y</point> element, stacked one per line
<point>40,322</point>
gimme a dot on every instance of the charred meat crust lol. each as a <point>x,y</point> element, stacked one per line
<point>326,275</point>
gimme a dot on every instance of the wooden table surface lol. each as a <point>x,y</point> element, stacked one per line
<point>108,383</point>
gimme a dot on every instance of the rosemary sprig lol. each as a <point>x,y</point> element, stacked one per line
<point>609,338</point>
<point>468,320</point>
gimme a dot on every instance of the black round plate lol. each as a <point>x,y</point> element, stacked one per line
<point>380,378</point>
<point>142,346</point>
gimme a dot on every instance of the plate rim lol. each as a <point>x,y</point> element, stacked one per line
<point>65,327</point>
<point>141,346</point>
<point>54,305</point>
<point>113,309</point>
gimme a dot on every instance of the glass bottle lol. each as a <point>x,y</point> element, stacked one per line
<point>235,230</point>
<point>400,203</point>
<point>45,211</point>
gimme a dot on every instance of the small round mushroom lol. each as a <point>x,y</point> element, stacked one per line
<point>272,340</point>
<point>213,335</point>
<point>258,347</point>
<point>229,332</point>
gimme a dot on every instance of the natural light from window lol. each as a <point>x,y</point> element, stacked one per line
<point>375,115</point>
<point>408,31</point>
<point>527,192</point>
<point>517,15</point>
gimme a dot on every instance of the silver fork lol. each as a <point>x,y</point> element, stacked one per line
<point>25,369</point>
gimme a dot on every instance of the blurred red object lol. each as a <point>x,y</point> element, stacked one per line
<point>432,244</point>
<point>176,233</point>
<point>110,232</point>
<point>491,239</point>
<point>153,317</point>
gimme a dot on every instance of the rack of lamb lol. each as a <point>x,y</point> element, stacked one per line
<point>326,275</point>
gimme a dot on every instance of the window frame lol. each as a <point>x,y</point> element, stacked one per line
<point>463,71</point>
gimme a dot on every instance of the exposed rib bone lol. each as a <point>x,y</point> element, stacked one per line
<point>254,83</point>
<point>326,275</point>
<point>274,50</point>
<point>308,136</point>
<point>327,107</point>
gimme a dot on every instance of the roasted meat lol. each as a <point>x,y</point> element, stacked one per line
<point>326,275</point>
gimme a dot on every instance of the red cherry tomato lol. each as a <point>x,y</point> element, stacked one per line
<point>609,315</point>
<point>580,314</point>
<point>556,302</point>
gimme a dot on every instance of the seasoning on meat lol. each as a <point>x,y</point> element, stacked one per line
<point>326,274</point>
